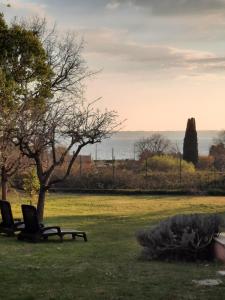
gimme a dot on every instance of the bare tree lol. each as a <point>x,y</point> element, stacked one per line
<point>220,139</point>
<point>217,151</point>
<point>74,125</point>
<point>156,144</point>
<point>64,56</point>
<point>11,160</point>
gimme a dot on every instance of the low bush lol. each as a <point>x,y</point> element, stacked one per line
<point>168,163</point>
<point>182,237</point>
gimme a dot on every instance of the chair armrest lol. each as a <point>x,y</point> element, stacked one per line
<point>51,227</point>
<point>19,223</point>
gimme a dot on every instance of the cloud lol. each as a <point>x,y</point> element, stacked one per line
<point>122,54</point>
<point>24,8</point>
<point>176,7</point>
<point>113,5</point>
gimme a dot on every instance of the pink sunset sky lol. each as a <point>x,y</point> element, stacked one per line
<point>161,61</point>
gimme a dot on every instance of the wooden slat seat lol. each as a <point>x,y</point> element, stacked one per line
<point>34,231</point>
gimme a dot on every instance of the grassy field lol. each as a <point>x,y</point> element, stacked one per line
<point>108,265</point>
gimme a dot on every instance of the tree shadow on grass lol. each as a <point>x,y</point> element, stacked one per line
<point>150,217</point>
<point>108,227</point>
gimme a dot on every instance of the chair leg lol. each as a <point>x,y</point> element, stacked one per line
<point>20,237</point>
<point>33,240</point>
<point>85,237</point>
<point>11,233</point>
<point>61,238</point>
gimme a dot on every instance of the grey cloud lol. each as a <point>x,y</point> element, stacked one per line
<point>156,7</point>
<point>177,7</point>
<point>114,49</point>
<point>214,60</point>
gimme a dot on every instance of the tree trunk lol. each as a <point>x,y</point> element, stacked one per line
<point>4,180</point>
<point>41,203</point>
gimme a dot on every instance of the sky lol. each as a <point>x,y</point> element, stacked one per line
<point>160,61</point>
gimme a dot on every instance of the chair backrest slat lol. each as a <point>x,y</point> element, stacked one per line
<point>30,218</point>
<point>6,212</point>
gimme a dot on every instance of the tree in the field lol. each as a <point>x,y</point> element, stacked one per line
<point>217,151</point>
<point>156,144</point>
<point>190,146</point>
<point>220,139</point>
<point>24,84</point>
<point>64,119</point>
<point>72,124</point>
<point>218,154</point>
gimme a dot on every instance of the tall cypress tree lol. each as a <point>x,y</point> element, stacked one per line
<point>190,146</point>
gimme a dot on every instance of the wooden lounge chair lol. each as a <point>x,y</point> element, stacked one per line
<point>9,225</point>
<point>34,231</point>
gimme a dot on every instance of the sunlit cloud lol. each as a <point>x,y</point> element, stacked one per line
<point>113,5</point>
<point>162,58</point>
<point>113,46</point>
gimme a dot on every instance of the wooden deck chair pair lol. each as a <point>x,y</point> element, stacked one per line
<point>31,229</point>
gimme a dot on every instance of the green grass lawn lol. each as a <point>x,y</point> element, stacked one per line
<point>108,265</point>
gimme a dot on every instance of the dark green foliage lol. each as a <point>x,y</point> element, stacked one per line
<point>190,147</point>
<point>182,237</point>
<point>25,74</point>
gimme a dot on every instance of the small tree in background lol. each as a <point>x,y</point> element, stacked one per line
<point>31,184</point>
<point>218,153</point>
<point>190,146</point>
<point>220,139</point>
<point>156,144</point>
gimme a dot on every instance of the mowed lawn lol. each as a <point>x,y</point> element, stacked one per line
<point>108,265</point>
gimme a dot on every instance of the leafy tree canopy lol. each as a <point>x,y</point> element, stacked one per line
<point>24,72</point>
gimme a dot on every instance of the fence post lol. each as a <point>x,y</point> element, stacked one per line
<point>113,167</point>
<point>146,173</point>
<point>80,166</point>
<point>180,167</point>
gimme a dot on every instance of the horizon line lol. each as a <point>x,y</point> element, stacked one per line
<point>174,130</point>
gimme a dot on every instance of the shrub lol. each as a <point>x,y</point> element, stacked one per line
<point>31,183</point>
<point>205,162</point>
<point>166,163</point>
<point>218,153</point>
<point>182,237</point>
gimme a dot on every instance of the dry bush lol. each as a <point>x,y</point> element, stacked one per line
<point>181,237</point>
